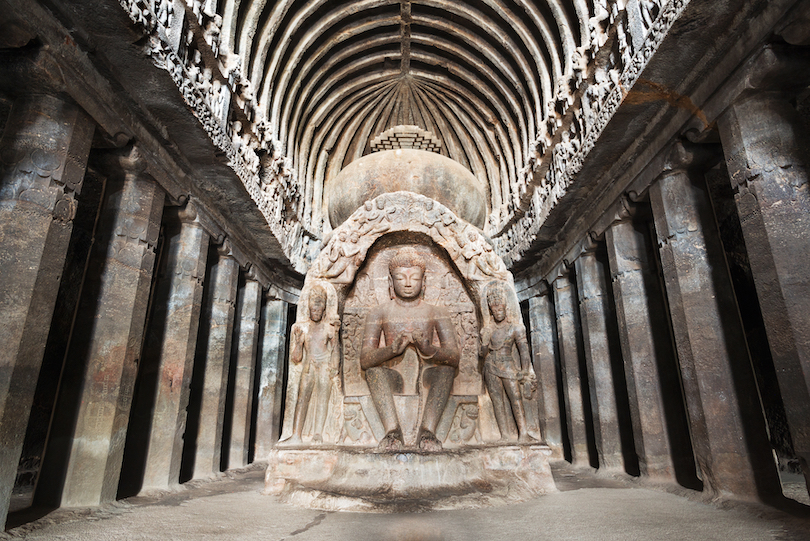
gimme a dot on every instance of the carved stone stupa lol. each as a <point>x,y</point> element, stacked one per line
<point>410,381</point>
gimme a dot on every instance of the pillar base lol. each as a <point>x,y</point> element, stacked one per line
<point>349,479</point>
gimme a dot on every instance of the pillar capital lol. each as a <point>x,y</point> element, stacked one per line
<point>775,67</point>
<point>684,156</point>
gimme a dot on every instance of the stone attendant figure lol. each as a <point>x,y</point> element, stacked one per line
<point>406,321</point>
<point>503,373</point>
<point>315,343</point>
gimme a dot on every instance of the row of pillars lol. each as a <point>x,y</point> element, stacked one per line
<point>639,342</point>
<point>164,341</point>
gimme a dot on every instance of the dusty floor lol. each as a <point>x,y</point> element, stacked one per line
<point>588,506</point>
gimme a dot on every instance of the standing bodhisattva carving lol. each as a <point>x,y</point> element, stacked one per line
<point>510,381</point>
<point>315,343</point>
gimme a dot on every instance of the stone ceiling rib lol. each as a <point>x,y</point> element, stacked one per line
<point>329,76</point>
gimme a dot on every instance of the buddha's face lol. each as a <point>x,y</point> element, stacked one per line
<point>498,309</point>
<point>407,282</point>
<point>317,306</point>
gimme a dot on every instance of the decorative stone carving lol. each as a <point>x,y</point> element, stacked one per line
<point>211,82</point>
<point>510,378</point>
<point>315,347</point>
<point>407,280</point>
<point>353,267</point>
<point>599,101</point>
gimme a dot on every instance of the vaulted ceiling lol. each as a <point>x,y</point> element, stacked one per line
<point>330,76</point>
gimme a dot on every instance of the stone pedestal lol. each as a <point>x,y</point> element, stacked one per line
<point>544,338</point>
<point>599,357</point>
<point>341,479</point>
<point>644,339</point>
<point>109,334</point>
<point>179,303</point>
<point>271,373</point>
<point>43,154</point>
<point>570,360</point>
<point>220,317</point>
<point>247,341</point>
<point>728,428</point>
<point>767,153</point>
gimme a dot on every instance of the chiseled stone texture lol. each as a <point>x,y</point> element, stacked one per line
<point>43,154</point>
<point>178,305</point>
<point>728,428</point>
<point>642,334</point>
<point>250,299</point>
<point>544,340</point>
<point>220,317</point>
<point>599,357</point>
<point>568,330</point>
<point>340,480</point>
<point>766,151</point>
<point>271,372</point>
<point>112,317</point>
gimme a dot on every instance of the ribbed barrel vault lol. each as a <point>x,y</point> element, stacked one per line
<point>330,76</point>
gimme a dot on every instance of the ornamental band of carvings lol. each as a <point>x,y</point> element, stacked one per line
<point>387,347</point>
<point>211,83</point>
<point>595,104</point>
<point>623,35</point>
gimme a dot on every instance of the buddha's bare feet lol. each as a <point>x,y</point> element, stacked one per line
<point>317,438</point>
<point>527,438</point>
<point>392,441</point>
<point>293,440</point>
<point>429,442</point>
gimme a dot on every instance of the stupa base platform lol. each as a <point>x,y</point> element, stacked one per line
<point>352,479</point>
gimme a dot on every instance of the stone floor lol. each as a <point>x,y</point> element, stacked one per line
<point>588,506</point>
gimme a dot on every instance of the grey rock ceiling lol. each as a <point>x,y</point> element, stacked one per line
<point>332,75</point>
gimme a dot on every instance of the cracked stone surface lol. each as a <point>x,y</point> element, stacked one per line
<point>588,506</point>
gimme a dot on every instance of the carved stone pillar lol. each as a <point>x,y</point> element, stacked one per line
<point>568,336</point>
<point>109,333</point>
<point>645,343</point>
<point>220,314</point>
<point>247,337</point>
<point>600,355</point>
<point>728,429</point>
<point>271,376</point>
<point>43,155</point>
<point>544,338</point>
<point>177,312</point>
<point>766,151</point>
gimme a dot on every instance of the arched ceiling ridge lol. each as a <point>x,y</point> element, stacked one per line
<point>478,18</point>
<point>334,125</point>
<point>516,22</point>
<point>263,39</point>
<point>246,29</point>
<point>331,91</point>
<point>566,44</point>
<point>518,134</point>
<point>272,69</point>
<point>500,73</point>
<point>354,90</point>
<point>527,82</point>
<point>497,139</point>
<point>288,93</point>
<point>510,139</point>
<point>303,47</point>
<point>482,75</point>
